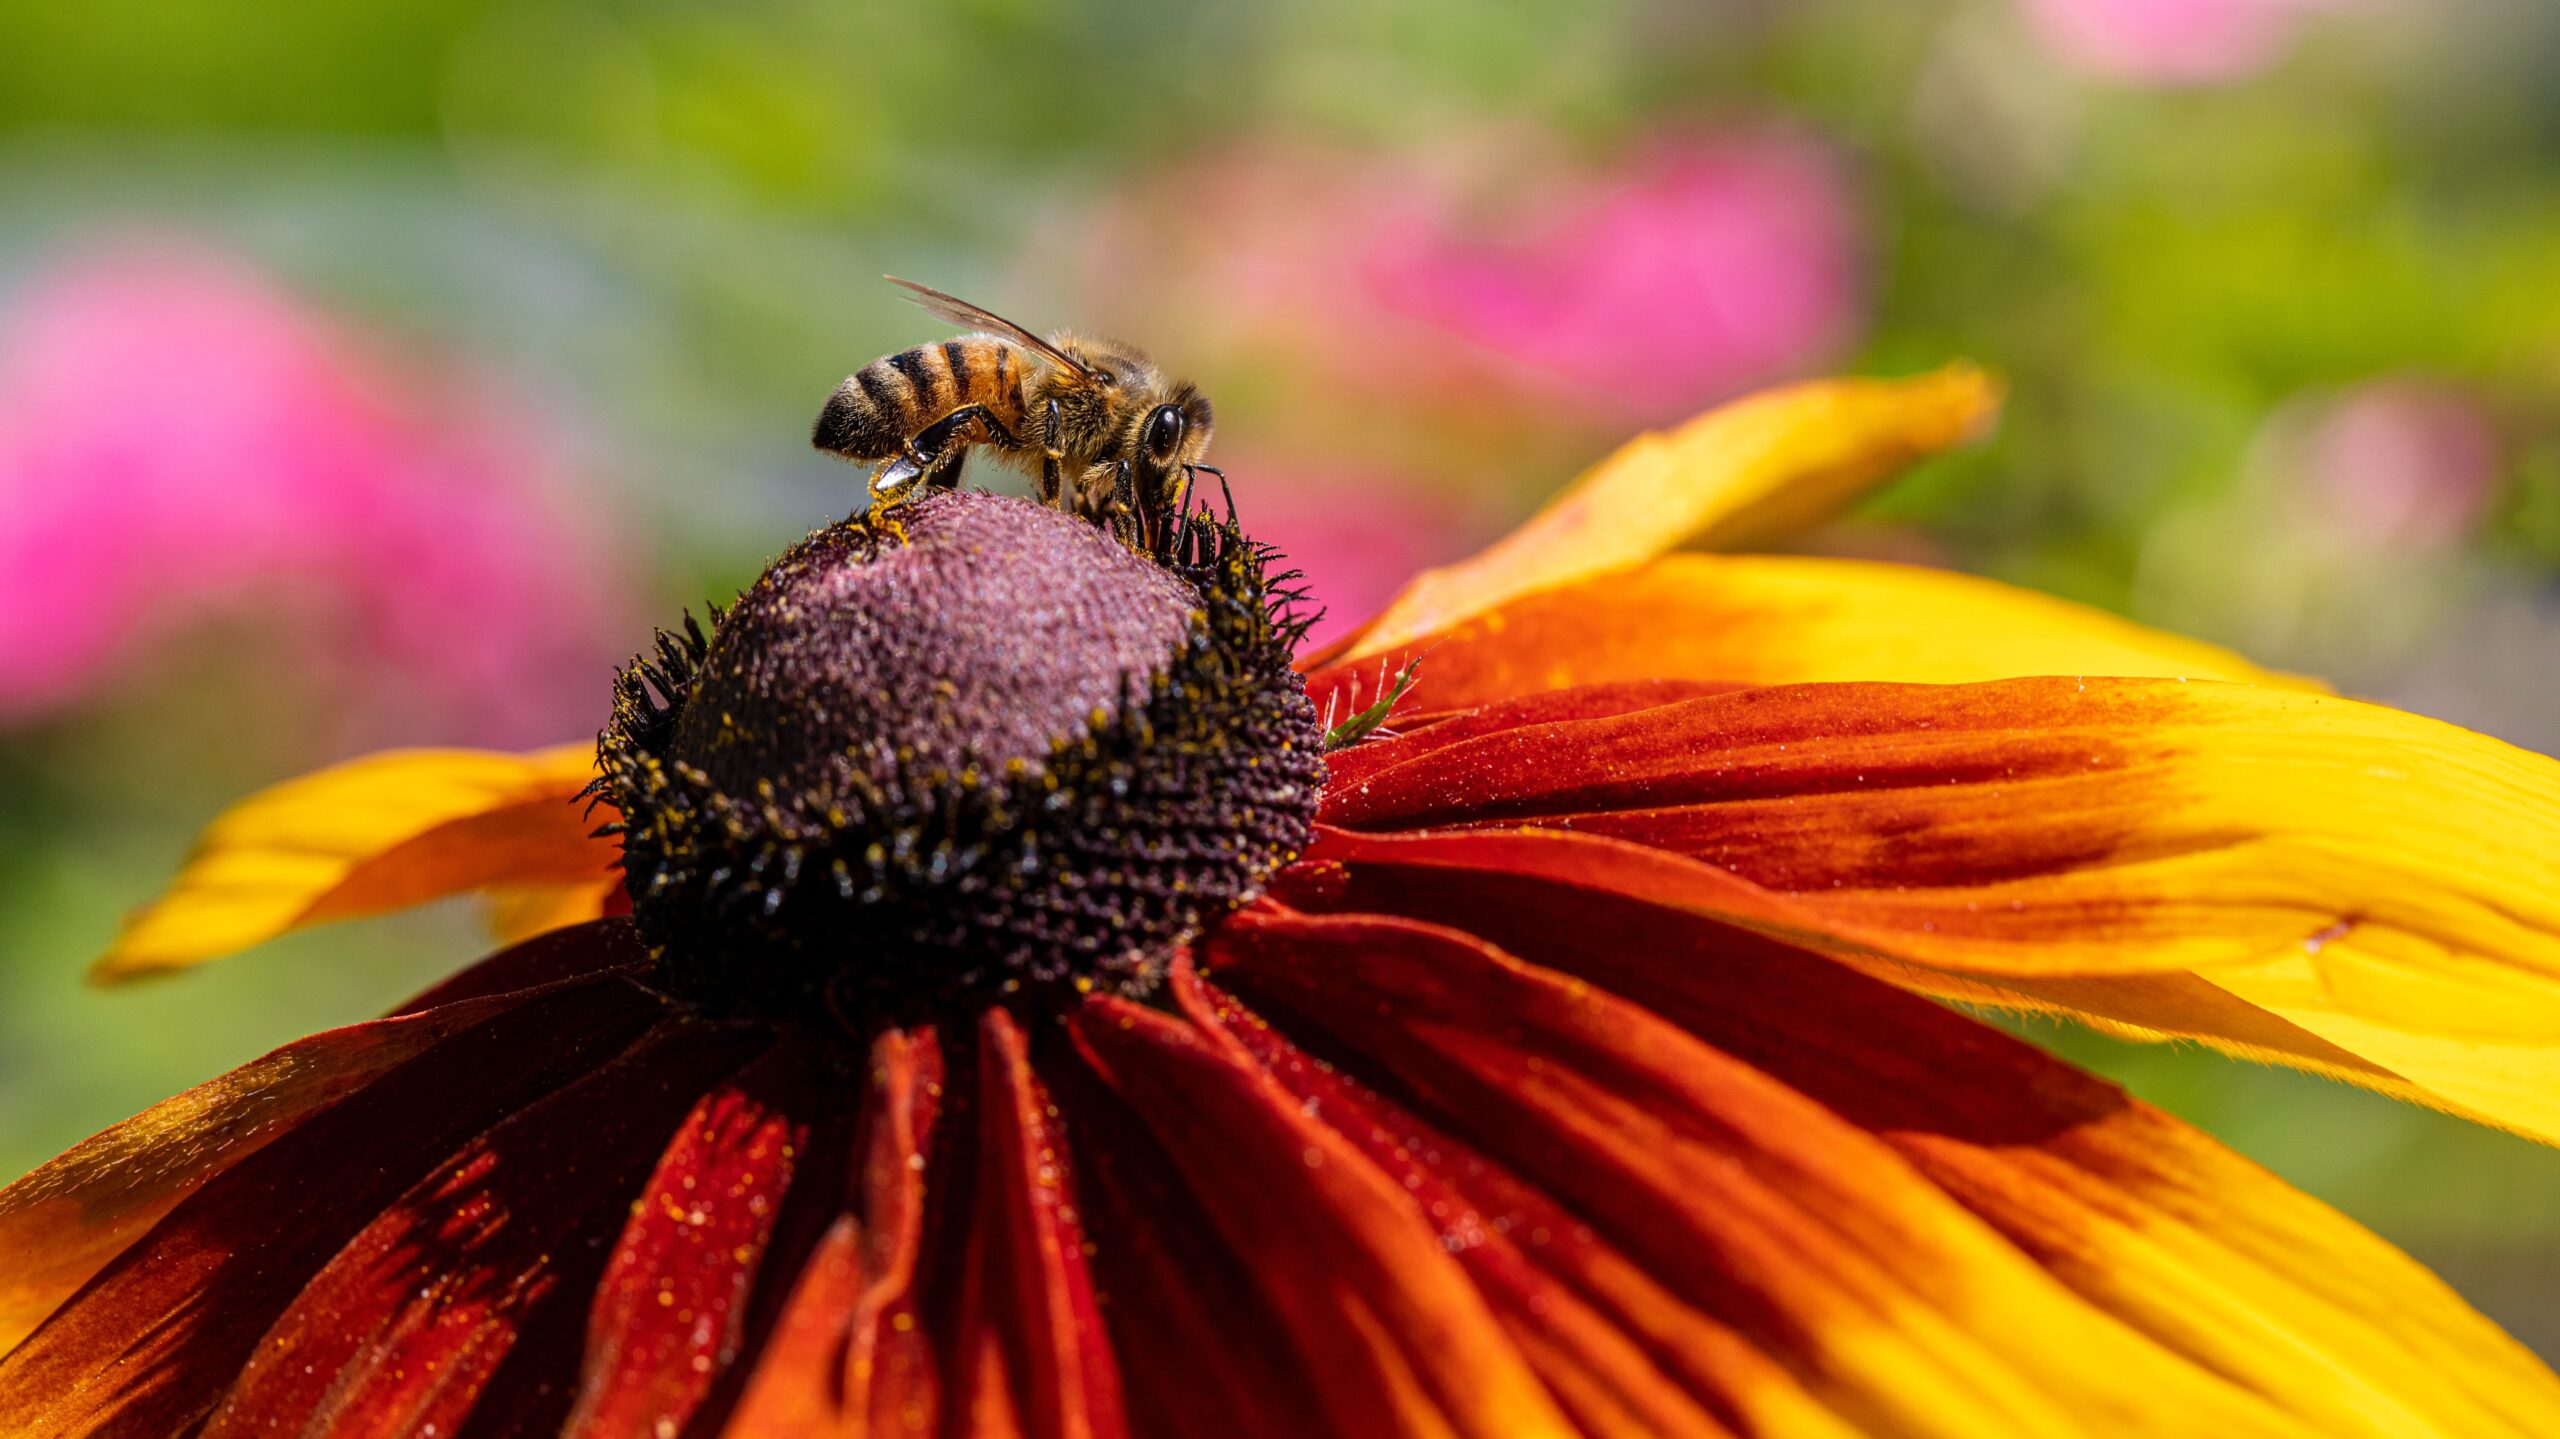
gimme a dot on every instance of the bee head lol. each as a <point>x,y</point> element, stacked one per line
<point>1173,433</point>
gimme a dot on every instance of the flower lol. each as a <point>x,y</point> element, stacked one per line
<point>2170,42</point>
<point>1692,270</point>
<point>176,431</point>
<point>1484,282</point>
<point>2403,462</point>
<point>2362,500</point>
<point>1006,1027</point>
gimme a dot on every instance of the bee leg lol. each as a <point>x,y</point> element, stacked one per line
<point>933,440</point>
<point>891,482</point>
<point>1173,517</point>
<point>1157,505</point>
<point>935,453</point>
<point>1052,483</point>
<point>1123,514</point>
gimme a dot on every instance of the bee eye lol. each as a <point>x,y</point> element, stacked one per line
<point>1164,432</point>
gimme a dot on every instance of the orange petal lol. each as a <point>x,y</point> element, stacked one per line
<point>2136,1212</point>
<point>153,1341</point>
<point>1176,1288</point>
<point>1397,1340</point>
<point>2359,873</point>
<point>366,837</point>
<point>64,1221</point>
<point>1033,1356</point>
<point>1621,1353</point>
<point>404,1330</point>
<point>1758,466</point>
<point>1899,1309</point>
<point>1749,620</point>
<point>847,1356</point>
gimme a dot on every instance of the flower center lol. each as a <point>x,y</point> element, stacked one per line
<point>997,755</point>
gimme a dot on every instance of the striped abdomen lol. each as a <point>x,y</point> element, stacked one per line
<point>879,407</point>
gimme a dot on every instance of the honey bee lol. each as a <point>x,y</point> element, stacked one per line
<point>1111,438</point>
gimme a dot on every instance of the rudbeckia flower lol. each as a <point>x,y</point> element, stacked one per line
<point>372,501</point>
<point>1027,1002</point>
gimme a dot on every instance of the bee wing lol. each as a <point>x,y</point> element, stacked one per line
<point>961,312</point>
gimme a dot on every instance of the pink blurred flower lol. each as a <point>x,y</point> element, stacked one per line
<point>2402,463</point>
<point>2170,42</point>
<point>178,435</point>
<point>1503,273</point>
<point>1691,271</point>
<point>1358,536</point>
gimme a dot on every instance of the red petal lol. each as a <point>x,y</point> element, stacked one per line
<point>2140,1214</point>
<point>64,1221</point>
<point>1423,731</point>
<point>1750,751</point>
<point>400,1332</point>
<point>149,1345</point>
<point>672,1307</point>
<point>579,952</point>
<point>1751,1201</point>
<point>1033,1358</point>
<point>2314,875</point>
<point>1390,1331</point>
<point>1323,880</point>
<point>1624,1356</point>
<point>1174,1288</point>
<point>847,1357</point>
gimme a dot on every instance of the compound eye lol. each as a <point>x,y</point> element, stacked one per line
<point>1164,432</point>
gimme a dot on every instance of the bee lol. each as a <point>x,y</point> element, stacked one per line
<point>1108,435</point>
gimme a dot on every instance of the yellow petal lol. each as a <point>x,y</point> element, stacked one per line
<point>1758,466</point>
<point>372,835</point>
<point>2266,1014</point>
<point>2341,885</point>
<point>518,913</point>
<point>1770,620</point>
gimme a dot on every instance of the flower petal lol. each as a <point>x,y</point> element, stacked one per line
<point>403,1329</point>
<point>1766,620</point>
<point>847,1356</point>
<point>1387,1325</point>
<point>1758,466</point>
<point>2356,859</point>
<point>1894,1305</point>
<point>366,837</point>
<point>2293,879</point>
<point>1176,1288</point>
<point>64,1221</point>
<point>520,912</point>
<point>1033,1357</point>
<point>2139,1214</point>
<point>148,1345</point>
<point>672,1306</point>
<point>1622,1354</point>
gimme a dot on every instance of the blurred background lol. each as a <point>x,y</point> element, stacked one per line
<point>377,372</point>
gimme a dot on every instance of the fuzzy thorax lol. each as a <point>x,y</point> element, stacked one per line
<point>985,755</point>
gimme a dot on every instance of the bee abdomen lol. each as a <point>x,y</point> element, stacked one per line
<point>879,407</point>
